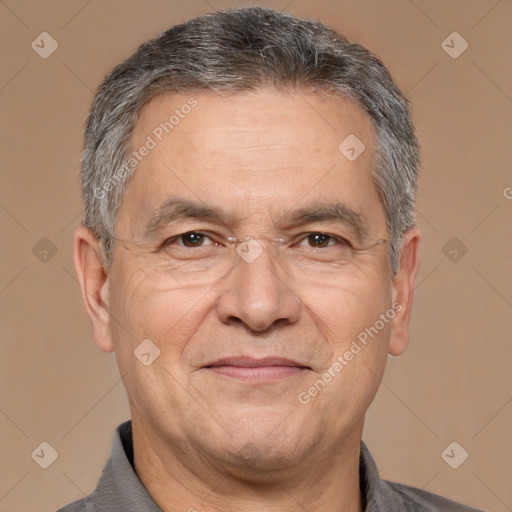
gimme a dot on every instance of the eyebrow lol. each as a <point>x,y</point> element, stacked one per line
<point>328,212</point>
<point>176,208</point>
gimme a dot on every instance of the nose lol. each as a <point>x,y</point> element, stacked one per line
<point>258,294</point>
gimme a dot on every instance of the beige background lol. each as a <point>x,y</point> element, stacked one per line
<point>454,382</point>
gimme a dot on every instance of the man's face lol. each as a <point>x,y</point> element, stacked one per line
<point>256,158</point>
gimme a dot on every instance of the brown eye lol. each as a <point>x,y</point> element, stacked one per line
<point>319,239</point>
<point>192,239</point>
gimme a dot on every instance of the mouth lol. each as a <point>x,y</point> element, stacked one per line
<point>252,369</point>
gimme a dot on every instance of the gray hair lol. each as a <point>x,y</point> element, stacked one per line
<point>238,50</point>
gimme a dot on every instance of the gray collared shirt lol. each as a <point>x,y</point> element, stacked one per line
<point>119,488</point>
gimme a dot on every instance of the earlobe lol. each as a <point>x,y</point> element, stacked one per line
<point>94,285</point>
<point>403,291</point>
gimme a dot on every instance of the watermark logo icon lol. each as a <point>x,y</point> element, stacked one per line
<point>45,455</point>
<point>147,352</point>
<point>454,45</point>
<point>250,454</point>
<point>249,250</point>
<point>352,147</point>
<point>454,455</point>
<point>44,250</point>
<point>454,249</point>
<point>44,45</point>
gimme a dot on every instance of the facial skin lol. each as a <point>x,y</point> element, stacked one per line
<point>213,441</point>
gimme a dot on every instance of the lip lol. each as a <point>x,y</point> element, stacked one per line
<point>252,362</point>
<point>254,369</point>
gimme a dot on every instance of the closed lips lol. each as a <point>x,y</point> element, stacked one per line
<point>249,362</point>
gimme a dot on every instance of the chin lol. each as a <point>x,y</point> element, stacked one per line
<point>256,457</point>
<point>267,441</point>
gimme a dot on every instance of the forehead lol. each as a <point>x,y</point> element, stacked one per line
<point>235,124</point>
<point>262,149</point>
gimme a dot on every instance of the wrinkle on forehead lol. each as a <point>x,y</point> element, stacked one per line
<point>254,153</point>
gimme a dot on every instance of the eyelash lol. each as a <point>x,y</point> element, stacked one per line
<point>338,239</point>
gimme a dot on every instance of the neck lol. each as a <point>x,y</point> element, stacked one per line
<point>178,478</point>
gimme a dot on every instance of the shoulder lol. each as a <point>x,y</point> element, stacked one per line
<point>384,495</point>
<point>83,505</point>
<point>426,501</point>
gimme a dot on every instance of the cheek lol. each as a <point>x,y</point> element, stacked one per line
<point>142,308</point>
<point>350,315</point>
<point>345,308</point>
<point>342,393</point>
<point>145,305</point>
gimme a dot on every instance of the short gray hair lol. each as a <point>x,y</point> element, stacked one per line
<point>246,49</point>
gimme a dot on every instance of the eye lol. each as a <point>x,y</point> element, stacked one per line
<point>321,240</point>
<point>190,239</point>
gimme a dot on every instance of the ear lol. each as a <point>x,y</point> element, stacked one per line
<point>403,291</point>
<point>94,284</point>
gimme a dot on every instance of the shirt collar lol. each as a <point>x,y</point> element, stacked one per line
<point>119,487</point>
<point>378,496</point>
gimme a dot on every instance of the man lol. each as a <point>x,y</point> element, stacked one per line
<point>249,252</point>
